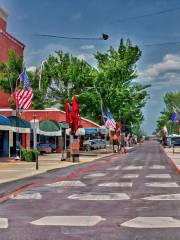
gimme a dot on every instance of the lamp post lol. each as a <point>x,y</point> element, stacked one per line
<point>35,141</point>
<point>41,69</point>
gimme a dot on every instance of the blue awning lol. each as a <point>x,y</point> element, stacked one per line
<point>4,121</point>
<point>18,122</point>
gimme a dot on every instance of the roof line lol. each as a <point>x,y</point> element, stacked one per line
<point>8,35</point>
<point>85,120</point>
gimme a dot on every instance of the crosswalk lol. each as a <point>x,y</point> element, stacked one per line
<point>127,179</point>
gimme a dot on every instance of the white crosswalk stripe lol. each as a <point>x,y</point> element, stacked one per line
<point>165,197</point>
<point>130,176</point>
<point>100,197</point>
<point>68,221</point>
<point>152,222</point>
<point>157,167</point>
<point>158,176</point>
<point>27,196</point>
<point>132,167</point>
<point>95,175</point>
<point>3,223</point>
<point>67,184</point>
<point>116,184</point>
<point>162,184</point>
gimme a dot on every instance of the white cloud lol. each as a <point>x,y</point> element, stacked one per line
<point>87,47</point>
<point>168,67</point>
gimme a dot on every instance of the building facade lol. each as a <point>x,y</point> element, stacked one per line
<point>7,41</point>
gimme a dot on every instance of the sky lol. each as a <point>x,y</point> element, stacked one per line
<point>159,64</point>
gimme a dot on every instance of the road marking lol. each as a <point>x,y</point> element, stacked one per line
<point>116,184</point>
<point>162,184</point>
<point>95,175</point>
<point>3,223</point>
<point>67,184</point>
<point>27,196</point>
<point>164,197</point>
<point>132,167</point>
<point>130,176</point>
<point>158,176</point>
<point>100,197</point>
<point>157,167</point>
<point>152,222</point>
<point>114,168</point>
<point>68,221</point>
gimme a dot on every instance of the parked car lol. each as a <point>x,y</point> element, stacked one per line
<point>45,148</point>
<point>94,144</point>
<point>171,140</point>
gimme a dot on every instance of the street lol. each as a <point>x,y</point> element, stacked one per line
<point>120,197</point>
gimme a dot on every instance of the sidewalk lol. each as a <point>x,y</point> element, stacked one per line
<point>174,157</point>
<point>14,170</point>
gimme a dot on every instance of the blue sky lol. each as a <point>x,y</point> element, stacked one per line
<point>159,65</point>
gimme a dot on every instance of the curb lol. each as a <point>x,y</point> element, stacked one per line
<point>171,161</point>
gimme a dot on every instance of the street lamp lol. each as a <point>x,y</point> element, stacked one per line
<point>35,141</point>
<point>41,69</point>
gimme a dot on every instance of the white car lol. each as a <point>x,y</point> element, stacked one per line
<point>94,144</point>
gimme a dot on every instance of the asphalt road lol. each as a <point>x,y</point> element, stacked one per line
<point>129,197</point>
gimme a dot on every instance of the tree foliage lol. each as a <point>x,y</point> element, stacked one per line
<point>9,72</point>
<point>116,71</point>
<point>172,103</point>
<point>64,76</point>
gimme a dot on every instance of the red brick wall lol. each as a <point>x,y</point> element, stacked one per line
<point>6,44</point>
<point>3,24</point>
<point>4,100</point>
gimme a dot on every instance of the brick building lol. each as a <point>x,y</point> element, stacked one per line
<point>7,41</point>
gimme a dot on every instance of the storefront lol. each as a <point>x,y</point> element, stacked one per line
<point>48,136</point>
<point>19,135</point>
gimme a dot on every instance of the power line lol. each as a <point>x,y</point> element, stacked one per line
<point>149,14</point>
<point>161,44</point>
<point>103,37</point>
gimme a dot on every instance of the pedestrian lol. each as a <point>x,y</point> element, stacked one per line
<point>123,143</point>
<point>115,142</point>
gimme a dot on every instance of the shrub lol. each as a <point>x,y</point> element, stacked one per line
<point>28,155</point>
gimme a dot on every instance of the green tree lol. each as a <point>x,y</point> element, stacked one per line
<point>39,99</point>
<point>65,76</point>
<point>172,103</point>
<point>9,72</point>
<point>116,70</point>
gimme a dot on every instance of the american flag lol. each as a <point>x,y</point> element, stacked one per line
<point>24,96</point>
<point>107,117</point>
